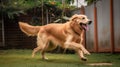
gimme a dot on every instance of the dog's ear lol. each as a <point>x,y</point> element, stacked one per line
<point>73,17</point>
<point>76,28</point>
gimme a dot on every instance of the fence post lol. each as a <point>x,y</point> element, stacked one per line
<point>95,29</point>
<point>111,27</point>
<point>82,11</point>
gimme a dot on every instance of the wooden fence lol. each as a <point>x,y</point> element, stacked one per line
<point>104,34</point>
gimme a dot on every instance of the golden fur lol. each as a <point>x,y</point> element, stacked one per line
<point>67,35</point>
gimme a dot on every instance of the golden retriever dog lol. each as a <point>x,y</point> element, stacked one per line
<point>68,35</point>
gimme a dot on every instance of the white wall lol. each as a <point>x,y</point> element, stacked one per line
<point>117,23</point>
<point>90,33</point>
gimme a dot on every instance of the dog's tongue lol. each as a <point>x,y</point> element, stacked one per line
<point>86,27</point>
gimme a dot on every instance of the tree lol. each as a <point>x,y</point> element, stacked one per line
<point>91,1</point>
<point>16,7</point>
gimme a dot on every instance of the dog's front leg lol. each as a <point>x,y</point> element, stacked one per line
<point>78,46</point>
<point>81,55</point>
<point>81,37</point>
<point>70,44</point>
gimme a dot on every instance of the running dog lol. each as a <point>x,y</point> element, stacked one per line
<point>68,35</point>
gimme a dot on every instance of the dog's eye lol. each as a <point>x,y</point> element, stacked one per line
<point>83,18</point>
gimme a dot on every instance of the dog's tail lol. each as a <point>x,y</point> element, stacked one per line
<point>29,29</point>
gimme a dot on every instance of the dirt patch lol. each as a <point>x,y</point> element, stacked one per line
<point>100,64</point>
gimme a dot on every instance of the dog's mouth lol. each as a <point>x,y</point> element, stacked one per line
<point>84,26</point>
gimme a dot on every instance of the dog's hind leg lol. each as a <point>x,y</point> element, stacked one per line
<point>42,43</point>
<point>39,46</point>
<point>43,50</point>
<point>35,50</point>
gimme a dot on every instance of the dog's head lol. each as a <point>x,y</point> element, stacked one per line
<point>80,21</point>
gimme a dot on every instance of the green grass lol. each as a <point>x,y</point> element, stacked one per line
<point>22,58</point>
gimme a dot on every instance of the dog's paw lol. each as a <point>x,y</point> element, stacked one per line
<point>32,56</point>
<point>44,58</point>
<point>84,59</point>
<point>87,53</point>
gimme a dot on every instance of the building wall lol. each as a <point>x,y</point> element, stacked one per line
<point>103,13</point>
<point>103,22</point>
<point>90,33</point>
<point>117,24</point>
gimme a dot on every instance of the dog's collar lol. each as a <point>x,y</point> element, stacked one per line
<point>76,32</point>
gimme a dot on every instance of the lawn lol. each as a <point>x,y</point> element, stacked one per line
<point>22,58</point>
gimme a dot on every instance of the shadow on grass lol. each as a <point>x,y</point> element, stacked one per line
<point>62,61</point>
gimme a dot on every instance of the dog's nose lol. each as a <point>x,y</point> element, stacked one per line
<point>89,22</point>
